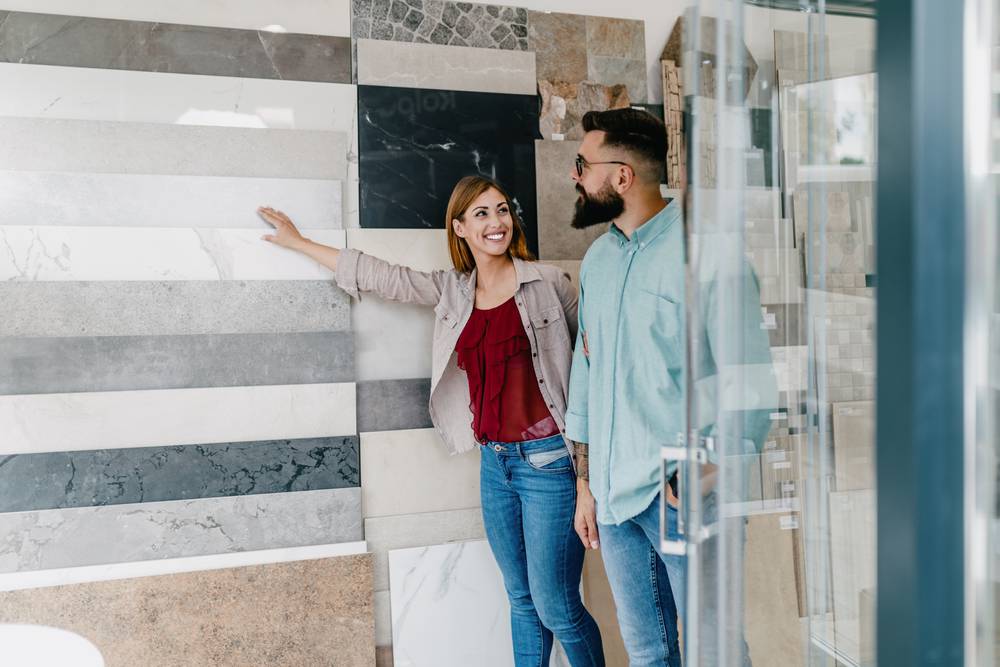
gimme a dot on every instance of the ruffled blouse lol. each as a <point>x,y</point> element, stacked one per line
<point>495,353</point>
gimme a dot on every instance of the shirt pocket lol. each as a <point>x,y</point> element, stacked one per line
<point>665,319</point>
<point>444,316</point>
<point>550,331</point>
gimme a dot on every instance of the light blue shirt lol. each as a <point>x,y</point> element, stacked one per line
<point>626,399</point>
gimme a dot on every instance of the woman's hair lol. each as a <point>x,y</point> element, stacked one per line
<point>466,191</point>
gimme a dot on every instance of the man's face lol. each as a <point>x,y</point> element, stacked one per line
<point>598,201</point>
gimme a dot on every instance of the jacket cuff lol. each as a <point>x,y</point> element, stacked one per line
<point>576,427</point>
<point>347,271</point>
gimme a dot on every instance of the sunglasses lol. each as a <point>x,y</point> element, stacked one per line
<point>582,164</point>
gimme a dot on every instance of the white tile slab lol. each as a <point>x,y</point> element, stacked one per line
<point>86,93</point>
<point>109,253</point>
<point>854,444</point>
<point>383,618</point>
<point>410,472</point>
<point>116,419</point>
<point>791,367</point>
<point>852,558</point>
<point>58,538</point>
<point>314,17</point>
<point>439,67</point>
<point>137,200</point>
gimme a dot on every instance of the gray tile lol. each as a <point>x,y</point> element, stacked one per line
<point>557,239</point>
<point>559,42</point>
<point>788,326</point>
<point>610,71</point>
<point>47,39</point>
<point>150,474</point>
<point>461,23</point>
<point>169,308</point>
<point>42,365</point>
<point>393,405</point>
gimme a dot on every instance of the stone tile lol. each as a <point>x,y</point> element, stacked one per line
<point>560,45</point>
<point>785,324</point>
<point>436,67</point>
<point>392,405</point>
<point>557,197</point>
<point>854,445</point>
<point>611,71</point>
<point>56,480</point>
<point>49,39</point>
<point>456,23</point>
<point>618,38</point>
<point>564,104</point>
<point>132,308</point>
<point>298,613</point>
<point>77,537</point>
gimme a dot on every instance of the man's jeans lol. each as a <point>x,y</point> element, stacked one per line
<point>649,590</point>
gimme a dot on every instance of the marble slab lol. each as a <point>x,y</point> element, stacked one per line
<point>297,613</point>
<point>38,198</point>
<point>560,45</point>
<point>854,445</point>
<point>436,67</point>
<point>40,365</point>
<point>80,536</point>
<point>411,472</point>
<point>178,150</point>
<point>454,23</point>
<point>54,480</point>
<point>557,197</point>
<point>34,423</point>
<point>163,308</point>
<point>390,405</point>
<point>416,144</point>
<point>385,534</point>
<point>52,39</point>
<point>155,253</point>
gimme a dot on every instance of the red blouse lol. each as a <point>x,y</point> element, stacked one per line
<point>495,354</point>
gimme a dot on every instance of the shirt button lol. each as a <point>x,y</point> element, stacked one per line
<point>545,321</point>
<point>541,381</point>
<point>534,354</point>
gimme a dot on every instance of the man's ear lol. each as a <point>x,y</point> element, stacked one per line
<point>625,179</point>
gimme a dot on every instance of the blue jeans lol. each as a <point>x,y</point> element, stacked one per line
<point>529,501</point>
<point>649,590</point>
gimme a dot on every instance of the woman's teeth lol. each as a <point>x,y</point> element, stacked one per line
<point>495,237</point>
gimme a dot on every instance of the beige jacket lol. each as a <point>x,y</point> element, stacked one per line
<point>545,298</point>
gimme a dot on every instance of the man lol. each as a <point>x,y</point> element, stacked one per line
<point>627,387</point>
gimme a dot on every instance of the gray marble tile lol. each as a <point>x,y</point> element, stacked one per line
<point>560,45</point>
<point>393,405</point>
<point>435,22</point>
<point>48,39</point>
<point>152,474</point>
<point>557,239</point>
<point>75,537</point>
<point>168,308</point>
<point>41,365</point>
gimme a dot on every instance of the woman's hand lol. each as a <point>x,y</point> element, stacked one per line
<point>285,232</point>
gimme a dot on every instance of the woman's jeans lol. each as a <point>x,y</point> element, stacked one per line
<point>529,501</point>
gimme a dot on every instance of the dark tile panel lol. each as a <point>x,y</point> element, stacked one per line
<point>392,405</point>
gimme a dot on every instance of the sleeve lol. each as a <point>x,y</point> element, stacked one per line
<point>569,299</point>
<point>577,411</point>
<point>358,272</point>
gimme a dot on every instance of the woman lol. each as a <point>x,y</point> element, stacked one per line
<point>501,358</point>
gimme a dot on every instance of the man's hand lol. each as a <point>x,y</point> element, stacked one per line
<point>585,521</point>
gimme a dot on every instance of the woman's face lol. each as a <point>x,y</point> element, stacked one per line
<point>487,225</point>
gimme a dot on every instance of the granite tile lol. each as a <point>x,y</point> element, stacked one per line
<point>298,613</point>
<point>618,38</point>
<point>81,536</point>
<point>392,405</point>
<point>416,144</point>
<point>34,423</point>
<point>557,197</point>
<point>51,39</point>
<point>172,308</point>
<point>454,23</point>
<point>435,67</point>
<point>150,474</point>
<point>564,105</point>
<point>560,45</point>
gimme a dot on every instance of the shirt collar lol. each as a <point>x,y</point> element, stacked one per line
<point>650,229</point>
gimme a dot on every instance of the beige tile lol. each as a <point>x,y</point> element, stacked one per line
<point>852,559</point>
<point>619,38</point>
<point>557,239</point>
<point>279,614</point>
<point>410,472</point>
<point>571,267</point>
<point>600,602</point>
<point>560,45</point>
<point>854,445</point>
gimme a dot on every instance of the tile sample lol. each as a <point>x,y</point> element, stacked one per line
<point>797,50</point>
<point>297,613</point>
<point>454,23</point>
<point>165,308</point>
<point>178,150</point>
<point>437,67</point>
<point>779,272</point>
<point>34,423</point>
<point>392,405</point>
<point>616,54</point>
<point>564,105</point>
<point>773,627</point>
<point>416,144</point>
<point>852,559</point>
<point>673,117</point>
<point>832,213</point>
<point>75,537</point>
<point>707,57</point>
<point>557,197</point>
<point>135,200</point>
<point>385,534</point>
<point>42,365</point>
<point>559,42</point>
<point>410,472</point>
<point>155,253</point>
<point>843,252</point>
<point>82,93</point>
<point>854,445</point>
<point>791,367</point>
<point>383,619</point>
<point>53,480</point>
<point>600,602</point>
<point>785,324</point>
<point>52,39</point>
<point>570,267</point>
<point>769,234</point>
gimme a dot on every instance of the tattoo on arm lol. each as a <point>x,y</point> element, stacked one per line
<point>581,452</point>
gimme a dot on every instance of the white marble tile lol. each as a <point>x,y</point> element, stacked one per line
<point>16,581</point>
<point>86,93</point>
<point>58,538</point>
<point>438,67</point>
<point>313,17</point>
<point>410,472</point>
<point>116,419</point>
<point>791,367</point>
<point>136,200</point>
<point>109,253</point>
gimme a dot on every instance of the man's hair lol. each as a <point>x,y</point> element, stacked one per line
<point>639,133</point>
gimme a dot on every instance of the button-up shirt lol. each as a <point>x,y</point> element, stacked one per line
<point>627,391</point>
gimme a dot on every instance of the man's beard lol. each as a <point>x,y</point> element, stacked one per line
<point>597,209</point>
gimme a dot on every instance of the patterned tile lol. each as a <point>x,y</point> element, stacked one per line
<point>437,22</point>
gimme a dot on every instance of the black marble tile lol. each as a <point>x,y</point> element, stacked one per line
<point>416,144</point>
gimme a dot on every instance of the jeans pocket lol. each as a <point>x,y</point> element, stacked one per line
<point>555,460</point>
